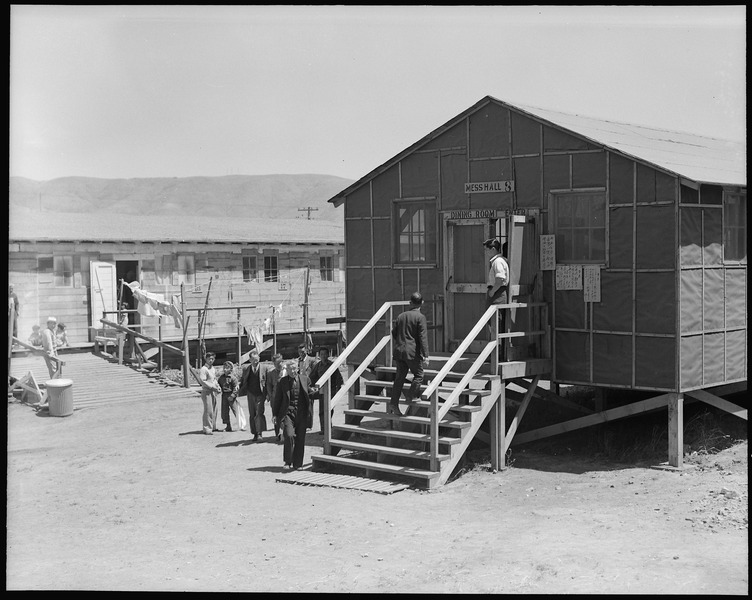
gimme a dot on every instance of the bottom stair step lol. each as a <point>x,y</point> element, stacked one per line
<point>361,447</point>
<point>321,459</point>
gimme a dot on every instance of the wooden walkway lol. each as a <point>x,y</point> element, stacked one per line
<point>349,482</point>
<point>98,381</point>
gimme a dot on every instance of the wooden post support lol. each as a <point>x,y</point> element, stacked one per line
<point>326,398</point>
<point>676,430</point>
<point>497,421</point>
<point>186,358</point>
<point>161,351</point>
<point>240,338</point>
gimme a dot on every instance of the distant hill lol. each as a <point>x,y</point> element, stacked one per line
<point>243,196</point>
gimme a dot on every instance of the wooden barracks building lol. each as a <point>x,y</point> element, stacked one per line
<point>248,274</point>
<point>632,238</point>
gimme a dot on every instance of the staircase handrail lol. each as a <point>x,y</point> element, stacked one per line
<point>431,392</point>
<point>463,383</point>
<point>356,374</point>
<point>356,340</point>
<point>469,338</point>
<point>324,383</point>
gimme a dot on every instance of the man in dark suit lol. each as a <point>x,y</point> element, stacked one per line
<point>409,350</point>
<point>253,383</point>
<point>293,412</point>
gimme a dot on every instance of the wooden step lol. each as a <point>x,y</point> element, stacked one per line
<point>374,466</point>
<point>443,389</point>
<point>393,433</point>
<point>404,452</point>
<point>418,403</point>
<point>430,374</point>
<point>406,418</point>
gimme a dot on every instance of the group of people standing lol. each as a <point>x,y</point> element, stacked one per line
<point>286,385</point>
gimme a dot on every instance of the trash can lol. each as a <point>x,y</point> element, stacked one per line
<point>60,397</point>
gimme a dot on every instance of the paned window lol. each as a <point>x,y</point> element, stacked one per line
<point>186,269</point>
<point>735,227</point>
<point>63,269</point>
<point>580,227</point>
<point>326,268</point>
<point>415,232</point>
<point>271,272</point>
<point>250,272</point>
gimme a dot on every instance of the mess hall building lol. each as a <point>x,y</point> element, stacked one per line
<point>634,238</point>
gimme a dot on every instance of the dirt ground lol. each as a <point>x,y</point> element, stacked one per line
<point>134,497</point>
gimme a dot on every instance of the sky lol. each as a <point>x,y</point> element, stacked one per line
<point>181,91</point>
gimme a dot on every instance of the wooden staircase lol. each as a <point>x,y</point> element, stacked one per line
<point>460,391</point>
<point>380,445</point>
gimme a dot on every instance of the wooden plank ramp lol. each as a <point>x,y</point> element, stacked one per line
<point>347,482</point>
<point>99,382</point>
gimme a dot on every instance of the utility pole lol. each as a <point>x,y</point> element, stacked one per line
<point>307,209</point>
<point>306,291</point>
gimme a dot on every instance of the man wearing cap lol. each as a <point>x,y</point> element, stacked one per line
<point>49,344</point>
<point>409,350</point>
<point>498,279</point>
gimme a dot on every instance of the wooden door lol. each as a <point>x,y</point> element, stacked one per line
<point>103,290</point>
<point>466,270</point>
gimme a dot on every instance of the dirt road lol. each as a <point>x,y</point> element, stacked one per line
<point>133,497</point>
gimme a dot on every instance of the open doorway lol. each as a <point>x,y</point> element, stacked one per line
<point>127,270</point>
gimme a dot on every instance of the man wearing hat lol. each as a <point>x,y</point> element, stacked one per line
<point>49,343</point>
<point>498,279</point>
<point>409,350</point>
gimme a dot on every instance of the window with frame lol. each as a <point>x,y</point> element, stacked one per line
<point>62,267</point>
<point>326,268</point>
<point>415,232</point>
<point>271,271</point>
<point>250,268</point>
<point>186,269</point>
<point>580,227</point>
<point>735,227</point>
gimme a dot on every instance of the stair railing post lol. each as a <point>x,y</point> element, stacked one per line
<point>435,431</point>
<point>495,333</point>
<point>326,399</point>
<point>388,325</point>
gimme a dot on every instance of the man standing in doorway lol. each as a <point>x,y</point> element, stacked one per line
<point>497,283</point>
<point>410,351</point>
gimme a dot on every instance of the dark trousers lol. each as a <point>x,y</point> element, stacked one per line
<point>500,298</point>
<point>416,368</point>
<point>256,414</point>
<point>321,411</point>
<point>293,436</point>
<point>229,406</point>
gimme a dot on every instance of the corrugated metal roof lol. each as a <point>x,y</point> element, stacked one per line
<point>698,158</point>
<point>45,226</point>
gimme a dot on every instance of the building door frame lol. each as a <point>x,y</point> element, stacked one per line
<point>455,248</point>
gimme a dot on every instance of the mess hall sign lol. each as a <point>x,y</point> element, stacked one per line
<point>487,187</point>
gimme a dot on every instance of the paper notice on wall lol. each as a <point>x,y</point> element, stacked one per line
<point>548,252</point>
<point>568,277</point>
<point>591,276</point>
